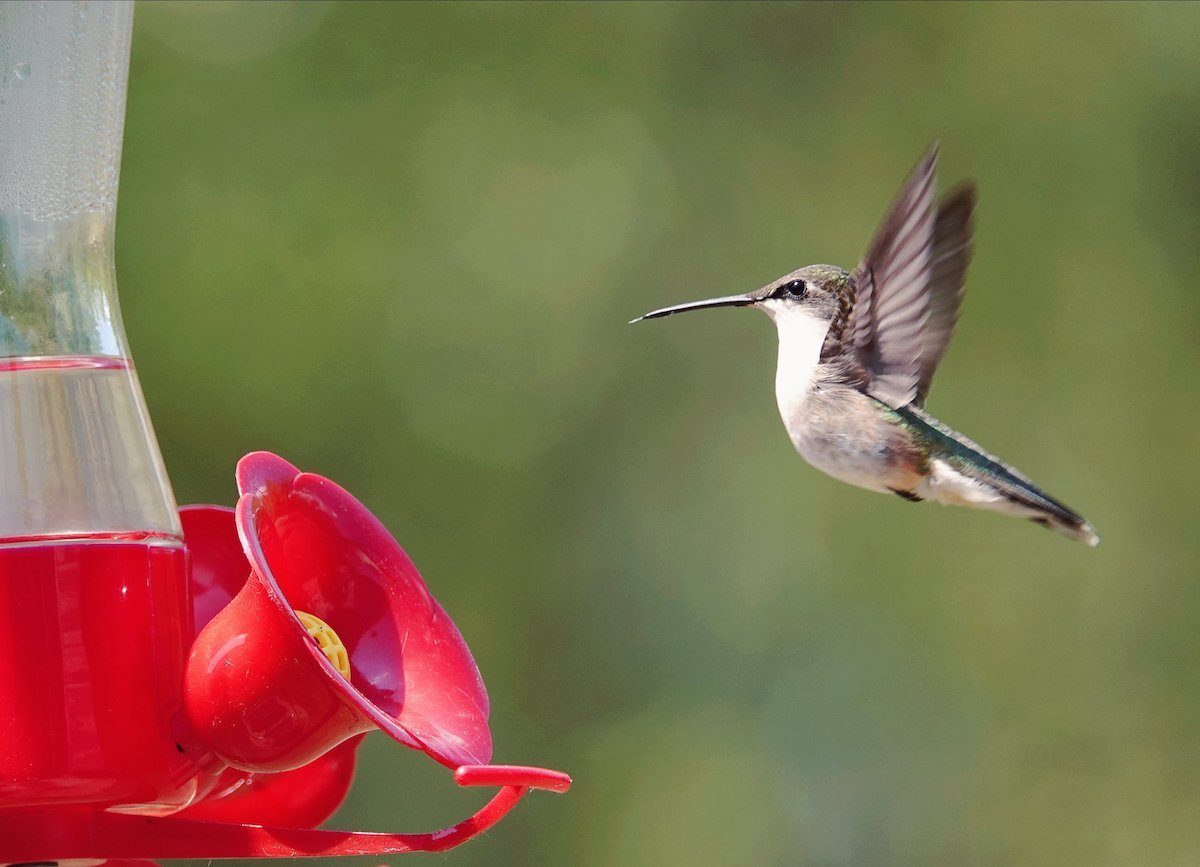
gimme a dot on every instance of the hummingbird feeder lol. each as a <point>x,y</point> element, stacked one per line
<point>177,683</point>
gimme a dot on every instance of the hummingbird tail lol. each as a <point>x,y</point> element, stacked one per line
<point>999,488</point>
<point>964,474</point>
<point>1025,499</point>
<point>1075,527</point>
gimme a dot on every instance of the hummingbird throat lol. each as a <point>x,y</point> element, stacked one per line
<point>801,337</point>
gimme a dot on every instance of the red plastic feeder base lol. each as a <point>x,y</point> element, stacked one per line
<point>64,834</point>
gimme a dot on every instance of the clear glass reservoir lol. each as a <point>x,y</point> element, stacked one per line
<point>78,457</point>
<point>93,591</point>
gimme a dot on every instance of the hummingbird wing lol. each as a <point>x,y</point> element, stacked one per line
<point>950,256</point>
<point>909,288</point>
<point>887,324</point>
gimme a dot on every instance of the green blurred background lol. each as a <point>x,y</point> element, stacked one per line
<point>398,244</point>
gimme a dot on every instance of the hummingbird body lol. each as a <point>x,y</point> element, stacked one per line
<point>857,352</point>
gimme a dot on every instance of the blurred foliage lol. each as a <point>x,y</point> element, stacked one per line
<point>398,243</point>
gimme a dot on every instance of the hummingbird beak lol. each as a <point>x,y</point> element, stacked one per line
<point>724,301</point>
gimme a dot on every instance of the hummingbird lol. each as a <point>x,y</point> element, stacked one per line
<point>858,350</point>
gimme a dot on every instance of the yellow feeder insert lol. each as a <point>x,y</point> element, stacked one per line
<point>327,640</point>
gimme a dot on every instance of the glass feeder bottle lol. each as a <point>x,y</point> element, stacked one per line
<point>93,605</point>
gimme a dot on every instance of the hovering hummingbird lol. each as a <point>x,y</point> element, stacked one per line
<point>857,353</point>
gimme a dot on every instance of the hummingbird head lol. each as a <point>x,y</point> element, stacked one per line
<point>815,291</point>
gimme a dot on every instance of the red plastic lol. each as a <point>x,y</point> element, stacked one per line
<point>217,568</point>
<point>91,666</point>
<point>95,636</point>
<point>303,798</point>
<point>262,697</point>
<point>512,775</point>
<point>82,834</point>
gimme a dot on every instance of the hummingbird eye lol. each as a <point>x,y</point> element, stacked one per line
<point>794,289</point>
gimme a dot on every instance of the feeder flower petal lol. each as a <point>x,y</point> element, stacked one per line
<point>217,566</point>
<point>322,550</point>
<point>303,798</point>
<point>334,633</point>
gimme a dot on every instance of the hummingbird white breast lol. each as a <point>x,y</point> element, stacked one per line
<point>801,336</point>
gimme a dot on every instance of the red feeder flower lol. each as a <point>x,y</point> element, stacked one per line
<point>304,797</point>
<point>317,550</point>
<point>276,714</point>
